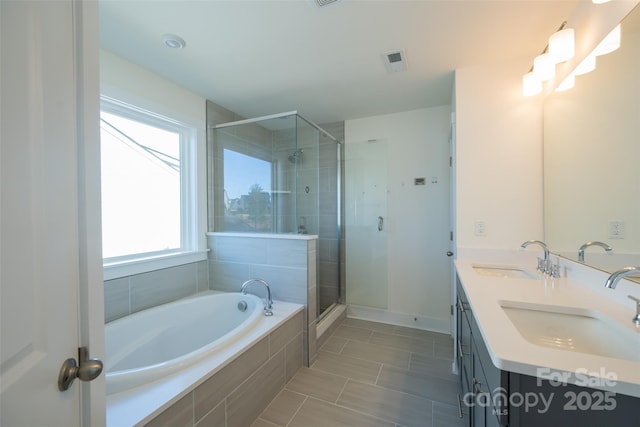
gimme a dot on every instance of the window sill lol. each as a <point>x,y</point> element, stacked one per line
<point>119,269</point>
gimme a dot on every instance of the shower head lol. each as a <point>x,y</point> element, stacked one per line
<point>296,156</point>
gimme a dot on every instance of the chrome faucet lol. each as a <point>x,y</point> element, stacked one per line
<point>268,302</point>
<point>544,265</point>
<point>613,280</point>
<point>586,245</point>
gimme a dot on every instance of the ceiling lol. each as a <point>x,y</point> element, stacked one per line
<point>264,57</point>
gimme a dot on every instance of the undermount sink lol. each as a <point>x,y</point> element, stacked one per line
<point>504,271</point>
<point>578,330</point>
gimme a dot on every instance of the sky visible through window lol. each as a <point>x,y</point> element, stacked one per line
<point>140,167</point>
<point>242,171</point>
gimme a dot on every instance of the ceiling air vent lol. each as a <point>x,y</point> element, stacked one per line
<point>323,3</point>
<point>395,61</point>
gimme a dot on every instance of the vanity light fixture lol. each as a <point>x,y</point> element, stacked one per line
<point>610,43</point>
<point>567,83</point>
<point>173,41</point>
<point>587,65</point>
<point>600,1</point>
<point>531,84</point>
<point>560,48</point>
<point>543,67</point>
<point>562,45</point>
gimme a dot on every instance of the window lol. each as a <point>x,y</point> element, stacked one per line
<point>247,193</point>
<point>147,168</point>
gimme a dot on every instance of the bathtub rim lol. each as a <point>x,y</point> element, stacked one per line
<point>139,405</point>
<point>125,379</point>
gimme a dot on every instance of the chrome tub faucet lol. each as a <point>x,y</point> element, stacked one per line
<point>268,302</point>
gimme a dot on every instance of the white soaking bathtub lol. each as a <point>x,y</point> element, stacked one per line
<point>159,341</point>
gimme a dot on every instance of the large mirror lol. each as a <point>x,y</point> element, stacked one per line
<point>592,160</point>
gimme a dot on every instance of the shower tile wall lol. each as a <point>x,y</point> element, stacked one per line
<point>287,264</point>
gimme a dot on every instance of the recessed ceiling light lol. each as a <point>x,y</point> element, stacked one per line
<point>173,41</point>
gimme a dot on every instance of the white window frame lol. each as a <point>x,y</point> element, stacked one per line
<point>189,250</point>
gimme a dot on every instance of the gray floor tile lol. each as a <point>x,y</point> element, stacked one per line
<point>350,367</point>
<point>434,366</point>
<point>423,385</point>
<point>413,344</point>
<point>282,409</point>
<point>318,384</point>
<point>264,423</point>
<point>402,408</point>
<point>411,369</point>
<point>446,416</point>
<point>316,413</point>
<point>377,353</point>
<point>334,344</point>
<point>351,333</point>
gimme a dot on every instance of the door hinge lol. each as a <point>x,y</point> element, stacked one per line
<point>451,310</point>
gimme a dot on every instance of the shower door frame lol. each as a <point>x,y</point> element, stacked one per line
<point>339,196</point>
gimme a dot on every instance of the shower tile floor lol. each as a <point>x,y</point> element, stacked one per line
<point>372,374</point>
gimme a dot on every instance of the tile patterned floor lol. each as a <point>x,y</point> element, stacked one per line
<point>372,374</point>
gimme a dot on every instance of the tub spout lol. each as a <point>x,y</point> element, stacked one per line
<point>268,302</point>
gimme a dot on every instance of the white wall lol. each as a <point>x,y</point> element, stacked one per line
<point>498,158</point>
<point>418,216</point>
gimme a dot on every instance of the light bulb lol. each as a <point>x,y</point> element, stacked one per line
<point>531,84</point>
<point>610,43</point>
<point>587,65</point>
<point>543,67</point>
<point>567,83</point>
<point>562,45</point>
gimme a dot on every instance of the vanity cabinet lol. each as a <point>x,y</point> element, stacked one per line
<point>491,397</point>
<point>478,377</point>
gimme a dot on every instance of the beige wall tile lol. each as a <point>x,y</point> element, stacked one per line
<point>246,402</point>
<point>216,388</point>
<point>216,418</point>
<point>285,333</point>
<point>180,414</point>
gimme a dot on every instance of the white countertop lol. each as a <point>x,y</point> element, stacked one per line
<point>511,352</point>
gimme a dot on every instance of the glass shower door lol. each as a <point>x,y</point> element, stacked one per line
<point>365,227</point>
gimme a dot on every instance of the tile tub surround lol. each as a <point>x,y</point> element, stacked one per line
<point>288,262</point>
<point>229,392</point>
<point>130,294</point>
<point>372,374</point>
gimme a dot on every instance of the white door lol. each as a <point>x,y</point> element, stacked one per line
<point>49,256</point>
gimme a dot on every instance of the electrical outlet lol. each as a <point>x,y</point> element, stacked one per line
<point>480,228</point>
<point>616,229</point>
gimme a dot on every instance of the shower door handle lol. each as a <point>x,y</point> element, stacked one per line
<point>380,223</point>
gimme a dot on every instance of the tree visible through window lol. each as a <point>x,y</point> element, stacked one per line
<point>247,186</point>
<point>141,185</point>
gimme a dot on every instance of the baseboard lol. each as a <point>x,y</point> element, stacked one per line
<point>401,319</point>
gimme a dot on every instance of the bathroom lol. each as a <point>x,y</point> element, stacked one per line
<point>479,191</point>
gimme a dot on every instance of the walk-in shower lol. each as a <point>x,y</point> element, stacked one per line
<point>281,174</point>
